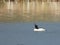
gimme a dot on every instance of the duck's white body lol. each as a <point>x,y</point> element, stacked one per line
<point>40,29</point>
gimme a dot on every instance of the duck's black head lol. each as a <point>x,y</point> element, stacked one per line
<point>36,26</point>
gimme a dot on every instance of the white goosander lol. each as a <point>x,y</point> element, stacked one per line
<point>37,29</point>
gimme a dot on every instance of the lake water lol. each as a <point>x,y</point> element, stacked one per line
<point>23,34</point>
<point>46,15</point>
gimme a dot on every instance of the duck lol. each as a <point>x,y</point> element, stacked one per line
<point>37,29</point>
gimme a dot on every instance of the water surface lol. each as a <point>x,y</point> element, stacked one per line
<point>23,34</point>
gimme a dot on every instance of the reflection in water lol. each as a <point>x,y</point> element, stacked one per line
<point>10,5</point>
<point>28,6</point>
<point>31,11</point>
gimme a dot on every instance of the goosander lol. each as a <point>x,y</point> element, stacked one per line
<point>39,29</point>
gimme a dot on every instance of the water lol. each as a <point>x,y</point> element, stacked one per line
<point>23,34</point>
<point>10,5</point>
<point>30,11</point>
<point>28,6</point>
<point>46,14</point>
